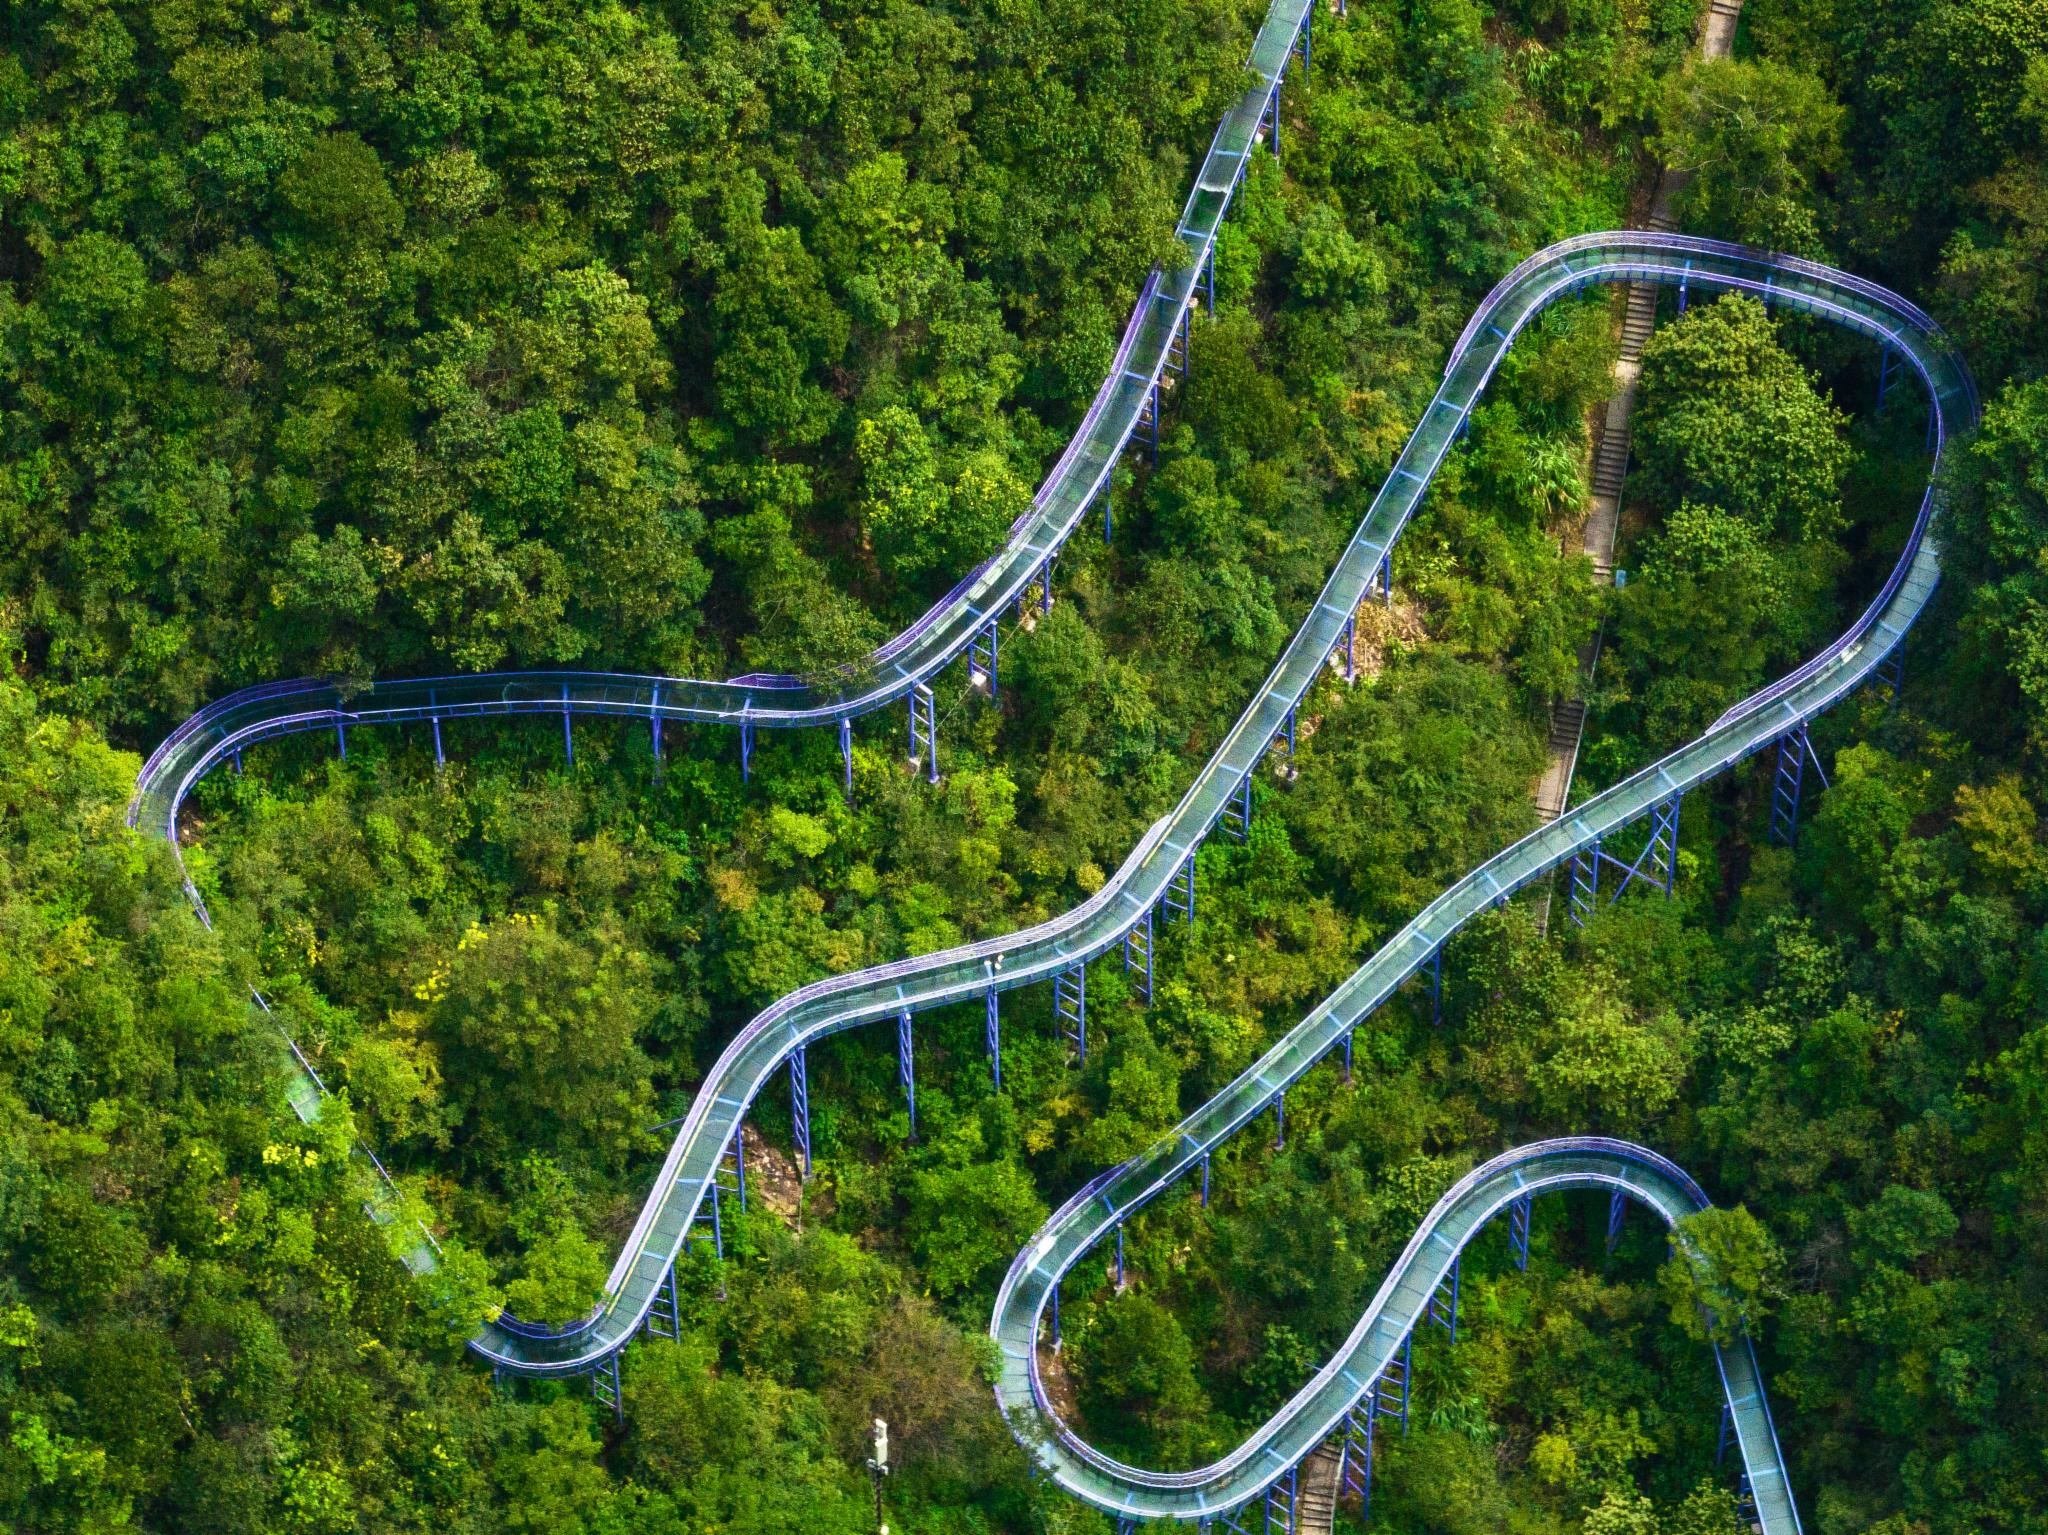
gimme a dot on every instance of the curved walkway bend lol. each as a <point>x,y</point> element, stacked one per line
<point>774,700</point>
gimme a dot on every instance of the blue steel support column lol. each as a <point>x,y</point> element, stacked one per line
<point>1786,784</point>
<point>905,1068</point>
<point>1727,1433</point>
<point>1208,281</point>
<point>439,761</point>
<point>1884,374</point>
<point>846,753</point>
<point>654,729</point>
<point>1585,885</point>
<point>666,1308</point>
<point>1280,1119</point>
<point>800,1107</point>
<point>1407,1374</point>
<point>924,710</point>
<point>981,660</point>
<point>1617,1210</point>
<point>341,736</point>
<point>1660,850</point>
<point>1518,1231</point>
<point>1305,41</point>
<point>1350,1036</point>
<point>1395,1374</point>
<point>568,737</point>
<point>1281,1495</point>
<point>1387,579</point>
<point>604,1385</point>
<point>1891,671</point>
<point>746,749</point>
<point>1237,810</point>
<point>1138,943</point>
<point>1443,1301</point>
<point>1205,1180</point>
<point>1045,585</point>
<point>1070,1009</point>
<point>1108,521</point>
<point>1351,648</point>
<point>1671,843</point>
<point>993,1030</point>
<point>1119,1255</point>
<point>1055,1315</point>
<point>1354,1457</point>
<point>1180,891</point>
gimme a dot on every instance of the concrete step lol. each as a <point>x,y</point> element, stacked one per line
<point>1315,1500</point>
<point>1567,721</point>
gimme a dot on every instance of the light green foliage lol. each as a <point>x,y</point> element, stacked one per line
<point>561,1269</point>
<point>537,1031</point>
<point>1757,138</point>
<point>968,1217</point>
<point>1710,596</point>
<point>1730,419</point>
<point>1991,268</point>
<point>1725,1275</point>
<point>1604,1067</point>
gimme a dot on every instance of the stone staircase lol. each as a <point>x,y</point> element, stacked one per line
<point>1611,454</point>
<point>1315,1498</point>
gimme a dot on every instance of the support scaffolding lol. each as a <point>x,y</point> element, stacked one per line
<point>1138,956</point>
<point>906,1068</point>
<point>924,732</point>
<point>1070,1009</point>
<point>1237,811</point>
<point>1658,860</point>
<point>800,1107</point>
<point>1795,750</point>
<point>1180,891</point>
<point>981,661</point>
<point>992,1030</point>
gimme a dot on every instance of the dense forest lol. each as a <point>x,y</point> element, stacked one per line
<point>376,338</point>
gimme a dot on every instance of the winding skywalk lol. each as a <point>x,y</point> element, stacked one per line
<point>1154,338</point>
<point>1774,715</point>
<point>1339,1401</point>
<point>774,1041</point>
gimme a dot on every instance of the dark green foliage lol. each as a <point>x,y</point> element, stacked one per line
<point>1745,459</point>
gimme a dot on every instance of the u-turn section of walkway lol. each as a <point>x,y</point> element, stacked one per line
<point>684,1199</point>
<point>1341,1403</point>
